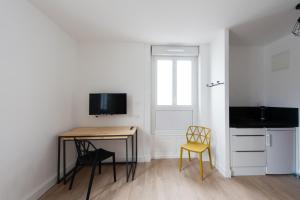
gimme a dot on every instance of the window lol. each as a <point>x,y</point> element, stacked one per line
<point>184,82</point>
<point>164,82</point>
<point>174,81</point>
<point>174,94</point>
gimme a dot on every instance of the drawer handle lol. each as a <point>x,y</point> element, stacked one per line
<point>268,140</point>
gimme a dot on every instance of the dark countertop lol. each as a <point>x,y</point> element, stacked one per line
<point>263,117</point>
<point>262,124</point>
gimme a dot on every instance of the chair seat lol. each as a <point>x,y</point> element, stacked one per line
<point>104,154</point>
<point>90,156</point>
<point>195,147</point>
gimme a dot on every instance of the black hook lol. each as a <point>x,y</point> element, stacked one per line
<point>214,84</point>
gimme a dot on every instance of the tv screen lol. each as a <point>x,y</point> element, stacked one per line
<point>108,104</point>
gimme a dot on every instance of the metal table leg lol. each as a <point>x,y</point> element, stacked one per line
<point>132,155</point>
<point>127,175</point>
<point>136,154</point>
<point>64,161</point>
<point>58,160</point>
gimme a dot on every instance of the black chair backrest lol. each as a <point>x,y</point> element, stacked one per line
<point>84,148</point>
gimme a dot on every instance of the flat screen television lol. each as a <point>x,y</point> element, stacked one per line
<point>108,104</point>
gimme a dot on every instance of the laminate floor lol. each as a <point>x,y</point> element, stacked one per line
<point>161,180</point>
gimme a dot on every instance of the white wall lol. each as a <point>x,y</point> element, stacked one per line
<point>203,79</point>
<point>219,101</point>
<point>246,76</point>
<point>282,87</point>
<point>116,67</point>
<point>37,62</point>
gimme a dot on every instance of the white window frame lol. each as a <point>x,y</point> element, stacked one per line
<point>174,85</point>
<point>193,107</point>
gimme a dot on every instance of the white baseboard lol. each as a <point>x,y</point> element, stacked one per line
<point>146,158</point>
<point>141,159</point>
<point>168,156</point>
<point>222,170</point>
<point>44,187</point>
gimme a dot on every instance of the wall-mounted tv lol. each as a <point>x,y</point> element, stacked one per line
<point>108,104</point>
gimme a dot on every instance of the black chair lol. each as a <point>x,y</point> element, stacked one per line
<point>88,154</point>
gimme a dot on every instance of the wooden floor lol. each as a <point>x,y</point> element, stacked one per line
<point>160,180</point>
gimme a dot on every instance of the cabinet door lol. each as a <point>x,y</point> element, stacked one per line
<point>280,151</point>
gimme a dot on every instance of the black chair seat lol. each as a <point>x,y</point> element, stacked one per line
<point>88,154</point>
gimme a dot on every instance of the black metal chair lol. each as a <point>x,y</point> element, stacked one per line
<point>88,154</point>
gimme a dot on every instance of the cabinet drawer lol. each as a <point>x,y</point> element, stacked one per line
<point>248,143</point>
<point>248,159</point>
<point>247,131</point>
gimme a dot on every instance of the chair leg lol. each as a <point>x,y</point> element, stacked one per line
<point>91,178</point>
<point>210,161</point>
<point>99,167</point>
<point>73,176</point>
<point>189,155</point>
<point>201,166</point>
<point>180,159</point>
<point>114,167</point>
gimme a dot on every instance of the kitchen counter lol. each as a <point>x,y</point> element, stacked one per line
<point>263,125</point>
<point>263,117</point>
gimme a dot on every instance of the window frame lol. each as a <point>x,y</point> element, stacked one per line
<point>194,83</point>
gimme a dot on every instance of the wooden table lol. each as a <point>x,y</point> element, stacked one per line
<point>99,133</point>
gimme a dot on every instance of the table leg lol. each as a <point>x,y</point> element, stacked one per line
<point>136,146</point>
<point>132,155</point>
<point>64,160</point>
<point>136,154</point>
<point>127,175</point>
<point>58,160</point>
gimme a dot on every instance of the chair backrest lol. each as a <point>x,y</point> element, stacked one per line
<point>83,148</point>
<point>198,134</point>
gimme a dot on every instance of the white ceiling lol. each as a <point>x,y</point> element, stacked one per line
<point>253,22</point>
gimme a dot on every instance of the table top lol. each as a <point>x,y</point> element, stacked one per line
<point>100,131</point>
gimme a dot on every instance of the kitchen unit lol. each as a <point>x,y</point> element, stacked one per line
<point>262,140</point>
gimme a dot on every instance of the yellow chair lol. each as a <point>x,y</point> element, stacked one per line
<point>198,140</point>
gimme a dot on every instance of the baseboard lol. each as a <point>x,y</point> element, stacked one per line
<point>164,156</point>
<point>219,168</point>
<point>44,187</point>
<point>223,171</point>
<point>141,159</point>
<point>146,158</point>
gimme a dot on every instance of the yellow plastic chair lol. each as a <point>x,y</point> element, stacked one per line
<point>198,141</point>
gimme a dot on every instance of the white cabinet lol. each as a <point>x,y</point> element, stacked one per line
<point>281,151</point>
<point>248,151</point>
<point>260,151</point>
